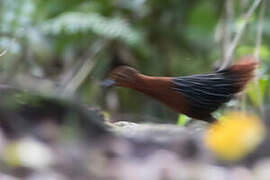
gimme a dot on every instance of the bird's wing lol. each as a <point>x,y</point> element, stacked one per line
<point>206,92</point>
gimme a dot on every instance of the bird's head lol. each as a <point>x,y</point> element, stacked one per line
<point>122,76</point>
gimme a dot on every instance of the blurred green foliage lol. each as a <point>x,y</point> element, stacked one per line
<point>71,45</point>
<point>182,119</point>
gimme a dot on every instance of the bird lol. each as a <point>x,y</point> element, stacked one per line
<point>196,96</point>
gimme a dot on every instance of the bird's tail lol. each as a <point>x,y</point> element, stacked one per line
<point>205,93</point>
<point>242,72</point>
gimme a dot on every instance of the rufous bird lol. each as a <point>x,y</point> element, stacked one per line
<point>196,96</point>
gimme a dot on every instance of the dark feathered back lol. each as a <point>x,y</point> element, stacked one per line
<point>206,92</point>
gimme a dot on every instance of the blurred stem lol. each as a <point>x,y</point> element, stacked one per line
<point>227,20</point>
<point>243,102</point>
<point>84,71</point>
<point>257,51</point>
<point>244,5</point>
<point>236,39</point>
<point>260,30</point>
<point>14,66</point>
<point>3,53</point>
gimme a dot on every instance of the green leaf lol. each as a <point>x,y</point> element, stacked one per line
<point>253,95</point>
<point>182,119</point>
<point>256,91</point>
<point>75,22</point>
<point>262,85</point>
<point>244,50</point>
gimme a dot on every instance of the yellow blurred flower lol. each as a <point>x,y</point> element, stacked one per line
<point>234,136</point>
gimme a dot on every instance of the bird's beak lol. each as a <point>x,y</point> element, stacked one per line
<point>107,82</point>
